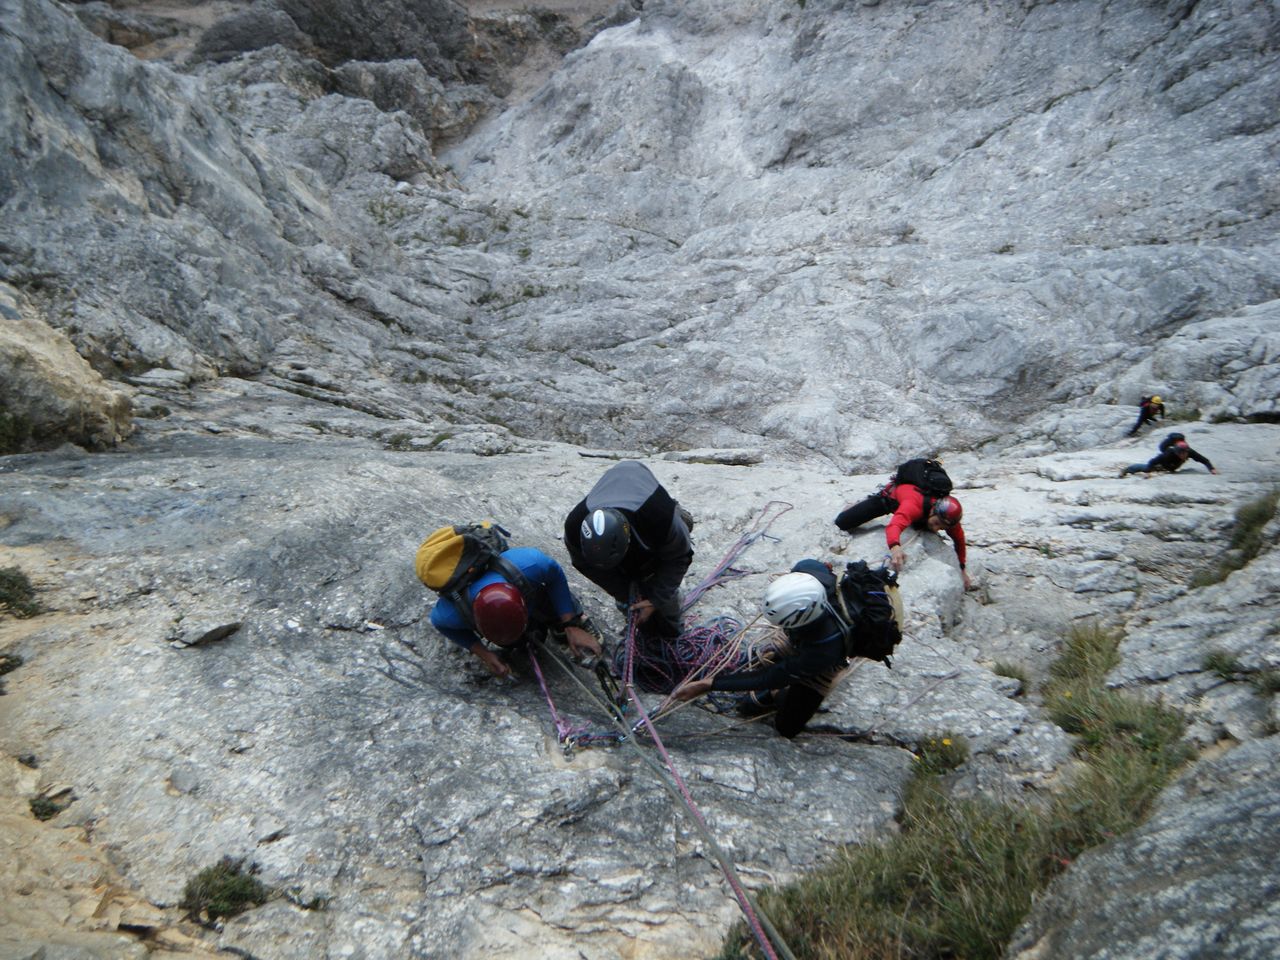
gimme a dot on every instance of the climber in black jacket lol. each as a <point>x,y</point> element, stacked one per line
<point>1174,452</point>
<point>796,677</point>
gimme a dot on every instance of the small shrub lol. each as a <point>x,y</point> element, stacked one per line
<point>1089,652</point>
<point>386,212</point>
<point>1014,671</point>
<point>1266,682</point>
<point>1246,539</point>
<point>942,753</point>
<point>1184,416</point>
<point>223,890</point>
<point>1246,535</point>
<point>17,595</point>
<point>399,441</point>
<point>42,808</point>
<point>1225,665</point>
<point>15,432</point>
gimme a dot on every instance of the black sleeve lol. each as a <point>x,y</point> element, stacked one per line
<point>809,661</point>
<point>1199,459</point>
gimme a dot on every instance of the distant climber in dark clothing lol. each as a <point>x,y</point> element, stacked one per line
<point>1174,452</point>
<point>629,534</point>
<point>1148,410</point>
<point>795,677</point>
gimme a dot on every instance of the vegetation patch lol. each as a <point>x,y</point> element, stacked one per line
<point>46,808</point>
<point>1014,671</point>
<point>223,890</point>
<point>1225,665</point>
<point>942,754</point>
<point>959,877</point>
<point>8,663</point>
<point>15,432</point>
<point>1266,682</point>
<point>1246,539</point>
<point>17,595</point>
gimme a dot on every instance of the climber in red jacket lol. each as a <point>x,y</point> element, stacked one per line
<point>910,508</point>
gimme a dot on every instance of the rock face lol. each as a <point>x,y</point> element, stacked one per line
<point>48,394</point>
<point>691,234</point>
<point>759,245</point>
<point>1198,879</point>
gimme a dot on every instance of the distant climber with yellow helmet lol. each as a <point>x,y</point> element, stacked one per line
<point>1149,408</point>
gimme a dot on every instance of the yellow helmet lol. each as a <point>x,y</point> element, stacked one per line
<point>1156,400</point>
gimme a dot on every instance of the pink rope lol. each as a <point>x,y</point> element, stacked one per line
<point>739,894</point>
<point>563,729</point>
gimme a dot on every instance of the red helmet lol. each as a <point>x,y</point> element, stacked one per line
<point>500,614</point>
<point>948,510</point>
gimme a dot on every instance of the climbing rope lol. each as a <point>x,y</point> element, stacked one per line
<point>704,649</point>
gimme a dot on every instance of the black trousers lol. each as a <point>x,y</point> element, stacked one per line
<point>877,505</point>
<point>798,701</point>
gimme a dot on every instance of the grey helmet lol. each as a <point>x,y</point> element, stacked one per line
<point>605,534</point>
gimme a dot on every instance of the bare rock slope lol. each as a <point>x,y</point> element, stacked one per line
<point>361,290</point>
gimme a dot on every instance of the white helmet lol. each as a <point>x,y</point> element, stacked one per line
<point>794,599</point>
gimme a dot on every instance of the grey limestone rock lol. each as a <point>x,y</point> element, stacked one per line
<point>760,245</point>
<point>1197,879</point>
<point>261,25</point>
<point>48,394</point>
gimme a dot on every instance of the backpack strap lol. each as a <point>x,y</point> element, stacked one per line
<point>845,619</point>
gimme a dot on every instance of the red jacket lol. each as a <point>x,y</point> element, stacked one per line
<point>910,513</point>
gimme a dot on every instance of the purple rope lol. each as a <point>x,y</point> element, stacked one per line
<point>739,894</point>
<point>563,729</point>
<point>725,571</point>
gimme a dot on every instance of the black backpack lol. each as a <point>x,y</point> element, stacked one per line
<point>454,557</point>
<point>928,475</point>
<point>1170,440</point>
<point>870,609</point>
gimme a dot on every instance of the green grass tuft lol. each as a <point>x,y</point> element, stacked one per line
<point>942,753</point>
<point>1246,539</point>
<point>1266,682</point>
<point>17,595</point>
<point>1089,652</point>
<point>223,890</point>
<point>959,877</point>
<point>43,808</point>
<point>1014,671</point>
<point>1225,665</point>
